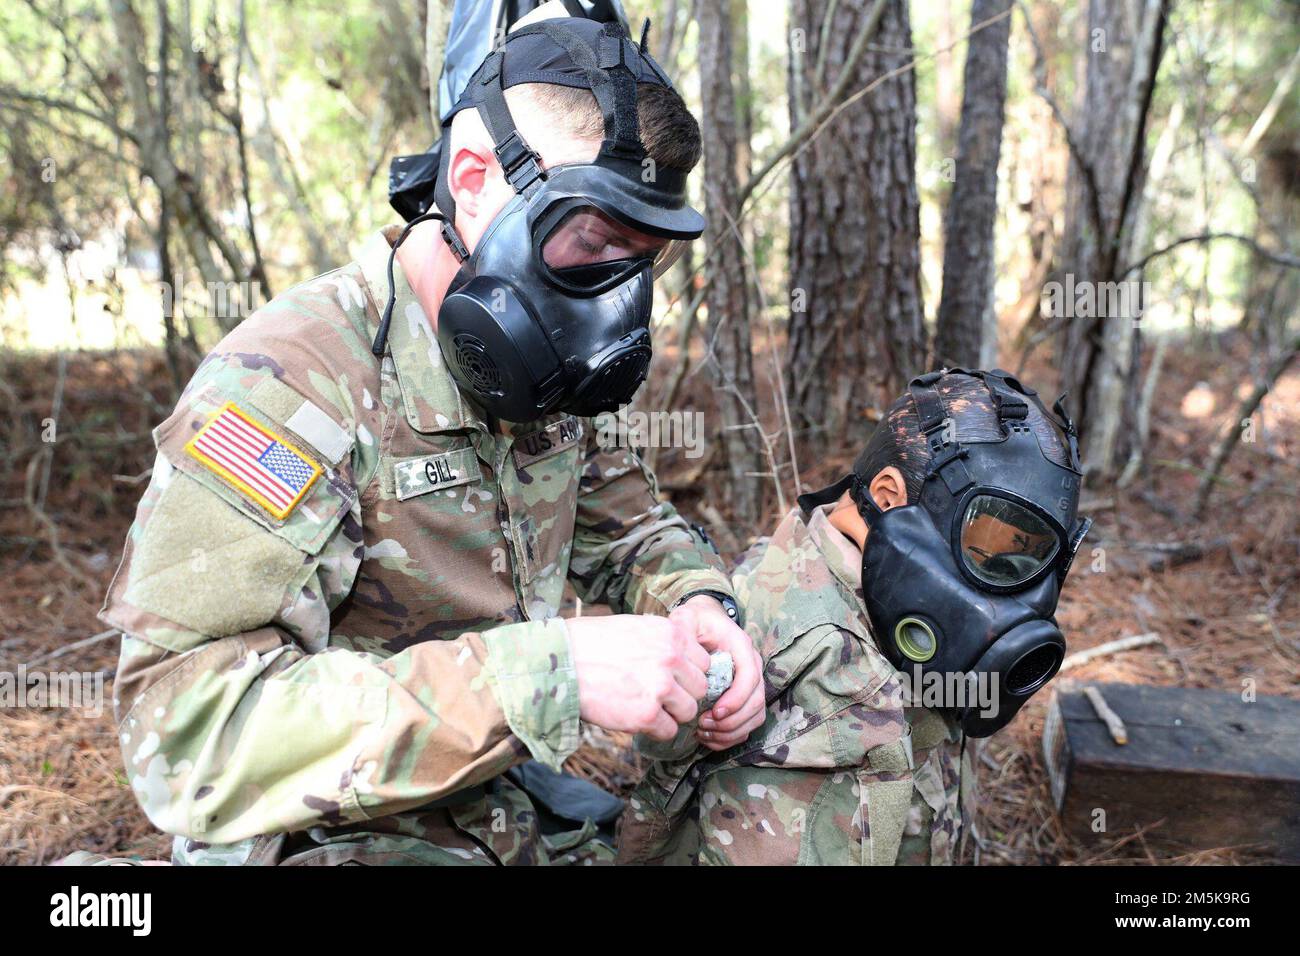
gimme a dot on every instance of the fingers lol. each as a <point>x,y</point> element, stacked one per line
<point>681,704</point>
<point>691,681</point>
<point>748,677</point>
<point>691,663</point>
<point>714,740</point>
<point>749,715</point>
<point>686,631</point>
<point>663,728</point>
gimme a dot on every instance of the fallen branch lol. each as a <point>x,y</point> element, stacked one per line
<point>52,531</point>
<point>75,646</point>
<point>1079,658</point>
<point>1174,554</point>
<point>1118,732</point>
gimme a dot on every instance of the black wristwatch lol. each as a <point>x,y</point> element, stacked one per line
<point>726,600</point>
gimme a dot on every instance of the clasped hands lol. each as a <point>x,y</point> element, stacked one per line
<point>646,675</point>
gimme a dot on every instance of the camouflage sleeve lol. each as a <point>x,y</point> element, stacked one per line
<point>237,717</point>
<point>631,549</point>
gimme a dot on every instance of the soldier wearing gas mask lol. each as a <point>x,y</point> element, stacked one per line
<point>339,597</point>
<point>902,609</point>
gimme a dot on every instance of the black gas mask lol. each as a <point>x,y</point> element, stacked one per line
<point>964,582</point>
<point>551,311</point>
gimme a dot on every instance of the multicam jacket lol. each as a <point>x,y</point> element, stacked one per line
<point>842,771</point>
<point>338,599</point>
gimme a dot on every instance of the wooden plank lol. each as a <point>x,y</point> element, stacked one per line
<point>1205,769</point>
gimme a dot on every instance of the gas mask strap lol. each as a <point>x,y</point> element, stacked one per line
<point>644,52</point>
<point>815,499</point>
<point>1009,396</point>
<point>521,166</point>
<point>611,81</point>
<point>1066,424</point>
<point>945,454</point>
<point>617,96</point>
<point>443,199</point>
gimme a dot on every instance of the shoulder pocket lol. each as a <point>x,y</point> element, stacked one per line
<point>886,787</point>
<point>261,463</point>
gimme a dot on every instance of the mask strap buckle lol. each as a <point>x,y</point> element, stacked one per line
<point>1076,541</point>
<point>453,240</point>
<point>946,457</point>
<point>1008,396</point>
<point>519,162</point>
<point>1071,433</point>
<point>949,466</point>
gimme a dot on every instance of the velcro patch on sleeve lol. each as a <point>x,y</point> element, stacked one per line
<point>261,464</point>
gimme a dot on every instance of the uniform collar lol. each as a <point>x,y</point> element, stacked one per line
<point>433,402</point>
<point>841,554</point>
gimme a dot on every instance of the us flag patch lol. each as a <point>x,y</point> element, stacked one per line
<point>262,465</point>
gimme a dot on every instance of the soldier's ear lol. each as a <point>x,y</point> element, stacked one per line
<point>888,490</point>
<point>467,176</point>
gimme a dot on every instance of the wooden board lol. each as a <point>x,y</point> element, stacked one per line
<point>1211,769</point>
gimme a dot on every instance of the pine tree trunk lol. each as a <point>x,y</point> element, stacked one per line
<point>1273,296</point>
<point>1098,352</point>
<point>728,296</point>
<point>966,306</point>
<point>856,326</point>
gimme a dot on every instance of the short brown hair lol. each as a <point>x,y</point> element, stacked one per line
<point>669,131</point>
<point>897,440</point>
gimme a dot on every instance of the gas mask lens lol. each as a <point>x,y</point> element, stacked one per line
<point>1004,543</point>
<point>588,250</point>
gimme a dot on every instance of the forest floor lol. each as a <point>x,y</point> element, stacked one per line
<point>1225,612</point>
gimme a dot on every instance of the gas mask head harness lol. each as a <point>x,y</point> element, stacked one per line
<point>965,580</point>
<point>551,310</point>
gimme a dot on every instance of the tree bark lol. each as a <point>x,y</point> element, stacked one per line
<point>1098,353</point>
<point>966,315</point>
<point>947,104</point>
<point>437,20</point>
<point>1273,296</point>
<point>728,296</point>
<point>856,329</point>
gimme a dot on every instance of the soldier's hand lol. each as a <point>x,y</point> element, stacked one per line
<point>742,709</point>
<point>637,673</point>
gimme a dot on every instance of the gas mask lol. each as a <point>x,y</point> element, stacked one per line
<point>551,310</point>
<point>964,582</point>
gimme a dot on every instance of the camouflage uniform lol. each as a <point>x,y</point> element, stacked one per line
<point>841,772</point>
<point>347,679</point>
